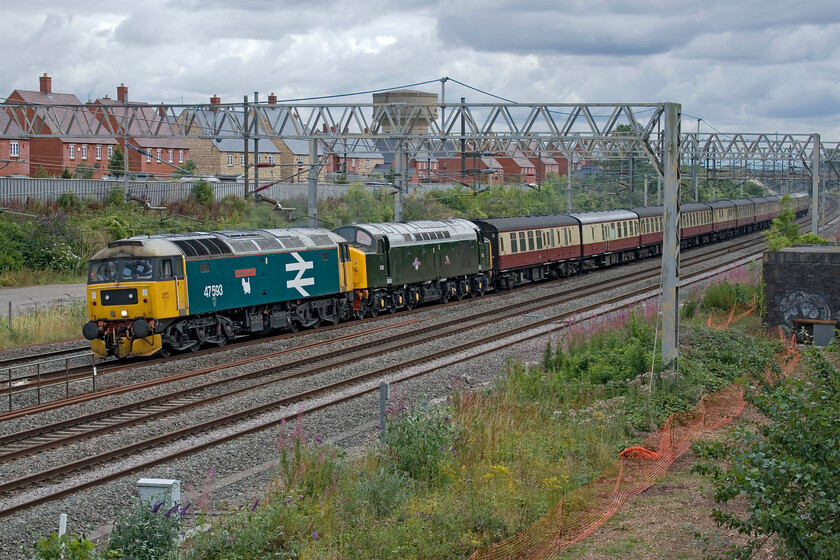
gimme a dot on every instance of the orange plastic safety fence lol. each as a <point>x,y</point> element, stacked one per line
<point>732,318</point>
<point>586,509</point>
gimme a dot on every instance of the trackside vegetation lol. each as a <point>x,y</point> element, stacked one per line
<point>456,476</point>
<point>788,467</point>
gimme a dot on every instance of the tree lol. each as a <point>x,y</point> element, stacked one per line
<point>789,467</point>
<point>187,168</point>
<point>117,164</point>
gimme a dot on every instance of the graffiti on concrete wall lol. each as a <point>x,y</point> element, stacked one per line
<point>803,304</point>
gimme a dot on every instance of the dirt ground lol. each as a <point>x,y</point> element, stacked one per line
<point>659,523</point>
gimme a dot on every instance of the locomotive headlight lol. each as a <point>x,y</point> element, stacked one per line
<point>124,313</point>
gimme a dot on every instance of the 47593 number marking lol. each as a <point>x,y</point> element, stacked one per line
<point>213,290</point>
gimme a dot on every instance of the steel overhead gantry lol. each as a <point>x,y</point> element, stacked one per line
<point>801,152</point>
<point>573,131</point>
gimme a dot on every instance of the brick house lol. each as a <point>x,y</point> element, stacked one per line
<point>158,150</point>
<point>225,156</point>
<point>68,149</point>
<point>14,154</point>
<point>517,168</point>
<point>356,160</point>
<point>480,170</point>
<point>546,166</point>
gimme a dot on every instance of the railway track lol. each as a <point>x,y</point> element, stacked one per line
<point>17,446</point>
<point>84,373</point>
<point>274,373</point>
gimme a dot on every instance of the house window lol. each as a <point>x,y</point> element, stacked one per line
<point>84,151</point>
<point>110,152</point>
<point>367,163</point>
<point>271,160</point>
<point>148,156</point>
<point>230,159</point>
<point>170,156</point>
<point>14,149</point>
<point>160,153</point>
<point>180,156</point>
<point>98,152</point>
<point>72,151</point>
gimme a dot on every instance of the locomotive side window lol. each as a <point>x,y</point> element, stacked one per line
<point>137,269</point>
<point>103,271</point>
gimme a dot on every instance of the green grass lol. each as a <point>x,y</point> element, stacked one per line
<point>43,325</point>
<point>488,464</point>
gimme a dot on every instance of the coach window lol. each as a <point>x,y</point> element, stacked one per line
<point>514,248</point>
<point>539,240</point>
<point>551,238</point>
<point>522,246</point>
<point>501,244</point>
<point>530,240</point>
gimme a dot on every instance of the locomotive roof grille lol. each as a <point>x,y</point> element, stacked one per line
<point>125,243</point>
<point>322,240</point>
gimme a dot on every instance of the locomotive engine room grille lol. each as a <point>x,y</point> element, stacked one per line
<point>122,296</point>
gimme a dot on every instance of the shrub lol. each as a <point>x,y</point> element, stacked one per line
<point>381,491</point>
<point>69,201</point>
<point>147,532</point>
<point>68,546</point>
<point>203,192</point>
<point>789,467</point>
<point>419,443</point>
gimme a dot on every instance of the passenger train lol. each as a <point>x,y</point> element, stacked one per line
<point>151,295</point>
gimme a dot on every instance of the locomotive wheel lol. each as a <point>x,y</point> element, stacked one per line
<point>294,326</point>
<point>165,351</point>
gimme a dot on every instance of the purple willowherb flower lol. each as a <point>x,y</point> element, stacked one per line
<point>157,507</point>
<point>211,471</point>
<point>314,534</point>
<point>256,503</point>
<point>289,500</point>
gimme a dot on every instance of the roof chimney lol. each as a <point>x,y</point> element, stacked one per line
<point>122,93</point>
<point>272,99</point>
<point>46,84</point>
<point>215,100</point>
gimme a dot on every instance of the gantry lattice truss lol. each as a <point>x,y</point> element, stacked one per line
<point>583,131</point>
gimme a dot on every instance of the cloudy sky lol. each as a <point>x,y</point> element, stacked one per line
<point>740,65</point>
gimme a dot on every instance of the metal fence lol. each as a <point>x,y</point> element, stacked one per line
<point>14,189</point>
